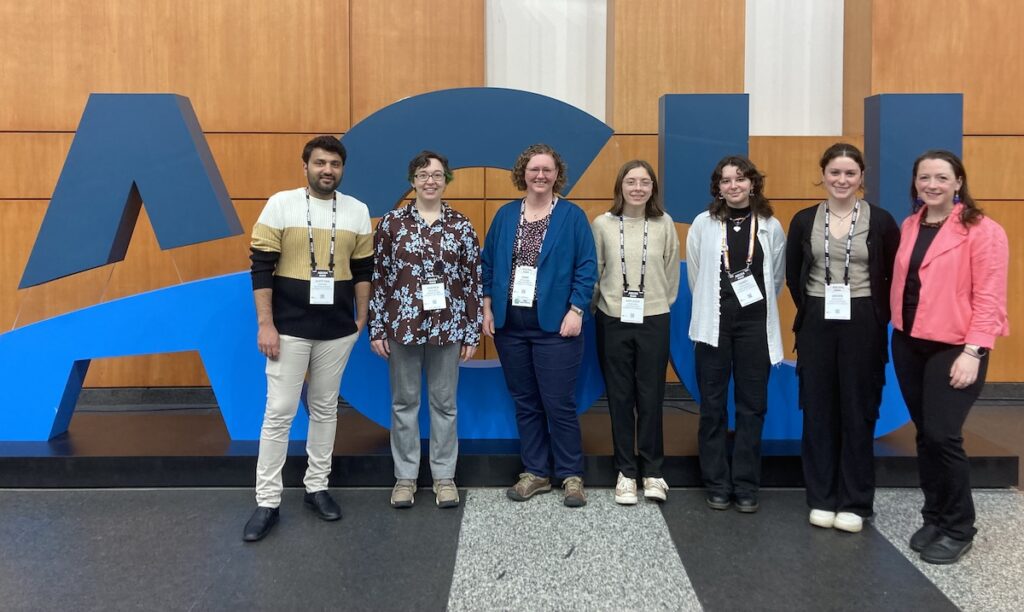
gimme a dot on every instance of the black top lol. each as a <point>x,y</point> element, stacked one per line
<point>883,240</point>
<point>912,288</point>
<point>737,231</point>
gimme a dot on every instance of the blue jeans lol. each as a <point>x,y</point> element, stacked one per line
<point>540,370</point>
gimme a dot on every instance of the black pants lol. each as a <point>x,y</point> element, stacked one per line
<point>741,354</point>
<point>939,412</point>
<point>633,358</point>
<point>841,378</point>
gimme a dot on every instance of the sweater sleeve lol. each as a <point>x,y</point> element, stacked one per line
<point>671,261</point>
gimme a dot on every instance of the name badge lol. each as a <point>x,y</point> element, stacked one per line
<point>321,287</point>
<point>433,295</point>
<point>744,285</point>
<point>837,302</point>
<point>632,307</point>
<point>524,285</point>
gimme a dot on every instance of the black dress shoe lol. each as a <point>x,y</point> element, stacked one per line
<point>746,503</point>
<point>322,503</point>
<point>923,537</point>
<point>718,501</point>
<point>259,524</point>
<point>945,550</point>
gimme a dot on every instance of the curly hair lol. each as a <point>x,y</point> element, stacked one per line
<point>519,168</point>
<point>759,204</point>
<point>970,213</point>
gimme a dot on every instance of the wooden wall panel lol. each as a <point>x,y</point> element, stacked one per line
<point>401,48</point>
<point>1008,356</point>
<point>31,163</point>
<point>953,46</point>
<point>790,164</point>
<point>19,223</point>
<point>992,164</point>
<point>857,62</point>
<point>246,65</point>
<point>657,47</point>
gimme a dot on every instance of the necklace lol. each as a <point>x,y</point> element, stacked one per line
<point>933,224</point>
<point>841,218</point>
<point>737,224</point>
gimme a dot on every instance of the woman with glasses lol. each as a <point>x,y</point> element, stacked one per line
<point>839,270</point>
<point>948,307</point>
<point>539,271</point>
<point>735,266</point>
<point>638,278</point>
<point>425,316</point>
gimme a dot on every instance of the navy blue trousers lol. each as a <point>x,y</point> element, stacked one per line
<point>540,369</point>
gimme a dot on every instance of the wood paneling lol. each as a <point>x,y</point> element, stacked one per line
<point>790,164</point>
<point>657,47</point>
<point>1008,356</point>
<point>402,48</point>
<point>943,46</point>
<point>31,163</point>
<point>857,56</point>
<point>246,65</point>
<point>165,370</point>
<point>992,163</point>
<point>19,222</point>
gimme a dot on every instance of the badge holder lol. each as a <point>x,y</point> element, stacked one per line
<point>632,307</point>
<point>321,287</point>
<point>744,285</point>
<point>433,295</point>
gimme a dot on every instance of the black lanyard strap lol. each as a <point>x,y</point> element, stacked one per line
<point>622,254</point>
<point>334,224</point>
<point>849,245</point>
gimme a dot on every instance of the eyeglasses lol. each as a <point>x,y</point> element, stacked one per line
<point>424,176</point>
<point>541,170</point>
<point>645,183</point>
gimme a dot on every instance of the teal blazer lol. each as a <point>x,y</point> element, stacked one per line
<point>566,268</point>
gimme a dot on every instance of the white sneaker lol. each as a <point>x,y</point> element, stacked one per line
<point>655,489</point>
<point>822,518</point>
<point>625,490</point>
<point>848,521</point>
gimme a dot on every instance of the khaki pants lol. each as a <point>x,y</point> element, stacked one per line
<point>325,361</point>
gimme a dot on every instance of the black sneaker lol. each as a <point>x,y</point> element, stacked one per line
<point>746,503</point>
<point>718,501</point>
<point>923,537</point>
<point>260,524</point>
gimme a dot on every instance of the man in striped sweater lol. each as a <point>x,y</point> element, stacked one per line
<point>312,259</point>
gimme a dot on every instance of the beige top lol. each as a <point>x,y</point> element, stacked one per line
<point>860,276</point>
<point>661,283</point>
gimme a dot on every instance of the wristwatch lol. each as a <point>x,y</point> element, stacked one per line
<point>576,309</point>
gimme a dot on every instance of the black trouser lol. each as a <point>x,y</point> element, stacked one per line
<point>741,354</point>
<point>841,378</point>
<point>939,412</point>
<point>634,357</point>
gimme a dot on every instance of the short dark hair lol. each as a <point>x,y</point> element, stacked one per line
<point>970,213</point>
<point>759,205</point>
<point>422,160</point>
<point>519,168</point>
<point>653,207</point>
<point>327,143</point>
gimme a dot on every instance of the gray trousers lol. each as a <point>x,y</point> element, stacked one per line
<point>406,365</point>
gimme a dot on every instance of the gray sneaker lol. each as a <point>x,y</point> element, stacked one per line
<point>404,494</point>
<point>575,496</point>
<point>528,486</point>
<point>447,494</point>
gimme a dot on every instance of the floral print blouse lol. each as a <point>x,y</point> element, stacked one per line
<point>407,254</point>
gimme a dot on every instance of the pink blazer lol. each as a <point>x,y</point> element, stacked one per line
<point>963,282</point>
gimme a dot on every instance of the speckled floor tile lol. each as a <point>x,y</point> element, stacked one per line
<point>540,555</point>
<point>991,575</point>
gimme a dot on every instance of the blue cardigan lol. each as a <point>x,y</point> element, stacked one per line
<point>566,268</point>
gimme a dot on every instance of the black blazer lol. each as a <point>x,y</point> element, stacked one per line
<point>883,240</point>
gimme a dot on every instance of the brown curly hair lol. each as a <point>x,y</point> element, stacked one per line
<point>519,168</point>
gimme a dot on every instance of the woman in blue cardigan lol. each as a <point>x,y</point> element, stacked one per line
<point>539,271</point>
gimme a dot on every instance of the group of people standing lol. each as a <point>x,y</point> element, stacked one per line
<point>427,291</point>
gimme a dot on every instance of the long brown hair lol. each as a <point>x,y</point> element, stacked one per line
<point>970,213</point>
<point>653,208</point>
<point>759,205</point>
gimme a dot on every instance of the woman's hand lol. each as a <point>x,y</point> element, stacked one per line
<point>572,323</point>
<point>488,318</point>
<point>964,371</point>
<point>380,348</point>
<point>467,352</point>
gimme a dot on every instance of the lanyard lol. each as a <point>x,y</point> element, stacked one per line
<point>622,254</point>
<point>522,221</point>
<point>425,244</point>
<point>750,250</point>
<point>309,225</point>
<point>849,245</point>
